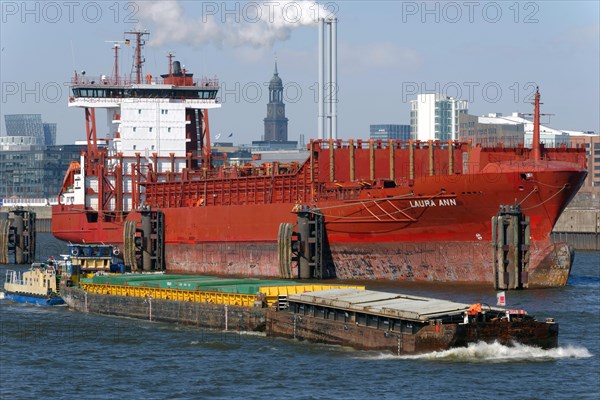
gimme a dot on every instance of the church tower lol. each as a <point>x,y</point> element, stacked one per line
<point>276,124</point>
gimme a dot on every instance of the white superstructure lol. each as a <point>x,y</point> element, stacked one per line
<point>155,131</point>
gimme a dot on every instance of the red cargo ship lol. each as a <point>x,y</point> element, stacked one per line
<point>422,211</point>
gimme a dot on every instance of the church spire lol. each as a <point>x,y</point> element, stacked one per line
<point>276,73</point>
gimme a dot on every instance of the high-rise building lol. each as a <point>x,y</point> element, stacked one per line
<point>24,125</point>
<point>434,116</point>
<point>35,172</point>
<point>389,131</point>
<point>276,124</point>
<point>49,133</point>
<point>31,165</point>
<point>28,130</point>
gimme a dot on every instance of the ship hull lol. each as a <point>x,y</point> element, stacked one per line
<point>40,301</point>
<point>444,234</point>
<point>466,262</point>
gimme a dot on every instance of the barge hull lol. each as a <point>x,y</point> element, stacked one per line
<point>429,339</point>
<point>205,315</point>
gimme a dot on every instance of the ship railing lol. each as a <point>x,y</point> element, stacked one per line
<point>118,100</point>
<point>25,202</point>
<point>13,277</point>
<point>104,80</point>
<point>384,144</point>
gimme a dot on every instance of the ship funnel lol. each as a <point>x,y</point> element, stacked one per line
<point>176,68</point>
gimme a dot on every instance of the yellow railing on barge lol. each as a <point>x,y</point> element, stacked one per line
<point>244,300</point>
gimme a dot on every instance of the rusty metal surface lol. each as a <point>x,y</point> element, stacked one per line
<point>381,303</point>
<point>205,315</point>
<point>429,338</point>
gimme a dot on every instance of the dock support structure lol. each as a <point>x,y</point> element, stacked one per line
<point>17,236</point>
<point>152,240</point>
<point>313,253</point>
<point>510,246</point>
<point>145,247</point>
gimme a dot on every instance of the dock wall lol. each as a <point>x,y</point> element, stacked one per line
<point>579,227</point>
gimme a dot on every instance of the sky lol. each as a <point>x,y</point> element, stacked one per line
<point>492,54</point>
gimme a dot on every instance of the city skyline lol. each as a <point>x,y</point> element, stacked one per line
<point>490,54</point>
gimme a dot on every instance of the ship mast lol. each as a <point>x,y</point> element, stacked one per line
<point>116,64</point>
<point>170,57</point>
<point>535,145</point>
<point>139,43</point>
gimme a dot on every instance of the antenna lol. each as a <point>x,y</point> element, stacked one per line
<point>116,47</point>
<point>139,60</point>
<point>170,57</point>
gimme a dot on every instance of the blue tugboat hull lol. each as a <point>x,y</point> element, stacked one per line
<point>40,301</point>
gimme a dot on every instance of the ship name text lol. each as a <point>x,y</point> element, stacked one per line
<point>432,203</point>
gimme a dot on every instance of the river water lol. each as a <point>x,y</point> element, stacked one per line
<point>57,353</point>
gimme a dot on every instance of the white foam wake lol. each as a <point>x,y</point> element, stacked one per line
<point>496,353</point>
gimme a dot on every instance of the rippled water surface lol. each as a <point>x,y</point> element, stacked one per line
<point>58,353</point>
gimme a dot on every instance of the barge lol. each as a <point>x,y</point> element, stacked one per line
<point>204,301</point>
<point>332,314</point>
<point>403,324</point>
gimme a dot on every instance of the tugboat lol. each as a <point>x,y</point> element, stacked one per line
<point>40,285</point>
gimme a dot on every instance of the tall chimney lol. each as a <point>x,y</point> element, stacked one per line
<point>333,85</point>
<point>328,87</point>
<point>320,89</point>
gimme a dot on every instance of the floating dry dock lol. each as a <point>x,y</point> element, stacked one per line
<point>403,324</point>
